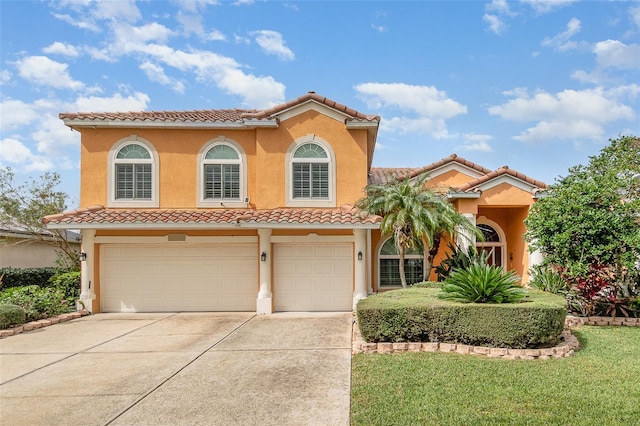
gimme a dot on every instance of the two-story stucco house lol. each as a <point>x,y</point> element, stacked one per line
<point>251,210</point>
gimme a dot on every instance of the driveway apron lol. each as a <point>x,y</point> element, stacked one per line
<point>180,369</point>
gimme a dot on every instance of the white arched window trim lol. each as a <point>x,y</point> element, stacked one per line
<point>501,235</point>
<point>330,201</point>
<point>242,200</point>
<point>380,259</point>
<point>112,201</point>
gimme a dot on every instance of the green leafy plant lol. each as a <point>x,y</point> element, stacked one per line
<point>482,283</point>
<point>37,302</point>
<point>69,283</point>
<point>457,258</point>
<point>11,315</point>
<point>547,278</point>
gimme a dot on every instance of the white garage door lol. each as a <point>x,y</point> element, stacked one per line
<point>313,277</point>
<point>186,277</point>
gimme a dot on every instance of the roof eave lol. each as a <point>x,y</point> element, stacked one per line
<point>155,124</point>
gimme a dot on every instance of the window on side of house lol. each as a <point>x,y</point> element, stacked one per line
<point>389,265</point>
<point>492,244</point>
<point>133,173</point>
<point>221,174</point>
<point>310,173</point>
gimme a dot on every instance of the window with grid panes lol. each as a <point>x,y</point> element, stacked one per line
<point>389,265</point>
<point>310,172</point>
<point>221,173</point>
<point>133,173</point>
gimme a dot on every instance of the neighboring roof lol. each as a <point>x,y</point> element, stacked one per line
<point>384,175</point>
<point>15,230</point>
<point>214,118</point>
<point>101,217</point>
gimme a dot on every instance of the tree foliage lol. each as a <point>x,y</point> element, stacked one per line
<point>22,207</point>
<point>592,216</point>
<point>415,215</point>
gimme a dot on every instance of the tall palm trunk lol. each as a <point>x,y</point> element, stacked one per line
<point>430,254</point>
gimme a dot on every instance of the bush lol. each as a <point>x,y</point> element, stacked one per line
<point>427,284</point>
<point>37,302</point>
<point>458,259</point>
<point>546,278</point>
<point>69,283</point>
<point>482,283</point>
<point>419,315</point>
<point>11,315</point>
<point>21,277</point>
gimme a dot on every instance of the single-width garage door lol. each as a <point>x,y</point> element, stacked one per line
<point>181,277</point>
<point>313,277</point>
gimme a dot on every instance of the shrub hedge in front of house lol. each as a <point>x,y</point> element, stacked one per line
<point>22,277</point>
<point>11,315</point>
<point>418,315</point>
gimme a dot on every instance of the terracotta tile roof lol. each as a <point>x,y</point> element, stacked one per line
<point>384,175</point>
<point>214,115</point>
<point>318,98</point>
<point>501,171</point>
<point>99,215</point>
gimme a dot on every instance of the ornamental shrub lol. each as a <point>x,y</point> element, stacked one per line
<point>482,283</point>
<point>547,278</point>
<point>37,302</point>
<point>457,258</point>
<point>11,315</point>
<point>419,315</point>
<point>21,277</point>
<point>69,283</point>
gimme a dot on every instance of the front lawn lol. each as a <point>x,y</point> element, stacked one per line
<point>599,385</point>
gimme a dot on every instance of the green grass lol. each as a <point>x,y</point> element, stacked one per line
<point>599,385</point>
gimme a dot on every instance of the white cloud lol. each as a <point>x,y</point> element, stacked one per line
<point>43,71</point>
<point>634,13</point>
<point>196,5</point>
<point>125,10</point>
<point>272,43</point>
<point>156,73</point>
<point>379,28</point>
<point>17,154</point>
<point>476,142</point>
<point>84,23</point>
<point>496,25</point>
<point>569,114</point>
<point>58,48</point>
<point>423,108</point>
<point>546,6</point>
<point>15,114</point>
<point>5,76</point>
<point>135,102</point>
<point>562,42</point>
<point>216,35</point>
<point>499,6</point>
<point>615,54</point>
<point>190,24</point>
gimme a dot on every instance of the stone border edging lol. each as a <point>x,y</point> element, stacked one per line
<point>573,321</point>
<point>563,350</point>
<point>33,325</point>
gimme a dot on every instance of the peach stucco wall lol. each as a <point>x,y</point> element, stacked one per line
<point>265,151</point>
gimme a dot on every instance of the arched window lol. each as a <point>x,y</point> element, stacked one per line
<point>221,175</point>
<point>389,265</point>
<point>310,174</point>
<point>133,180</point>
<point>494,242</point>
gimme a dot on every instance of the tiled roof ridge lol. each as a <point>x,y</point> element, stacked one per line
<point>208,115</point>
<point>499,172</point>
<point>401,173</point>
<point>71,213</point>
<point>311,95</point>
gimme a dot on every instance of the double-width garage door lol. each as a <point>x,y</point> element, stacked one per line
<point>181,277</point>
<point>313,277</point>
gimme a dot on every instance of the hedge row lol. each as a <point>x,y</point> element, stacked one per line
<point>418,315</point>
<point>22,277</point>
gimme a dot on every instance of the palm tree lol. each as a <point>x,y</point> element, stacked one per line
<point>414,214</point>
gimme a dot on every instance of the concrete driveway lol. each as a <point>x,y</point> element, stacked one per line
<point>180,369</point>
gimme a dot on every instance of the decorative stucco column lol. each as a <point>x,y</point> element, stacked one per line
<point>466,238</point>
<point>87,293</point>
<point>535,258</point>
<point>265,296</point>
<point>360,265</point>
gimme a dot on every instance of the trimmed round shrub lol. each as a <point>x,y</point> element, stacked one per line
<point>419,315</point>
<point>11,315</point>
<point>37,302</point>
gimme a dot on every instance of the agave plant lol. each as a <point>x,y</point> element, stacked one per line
<point>482,283</point>
<point>457,258</point>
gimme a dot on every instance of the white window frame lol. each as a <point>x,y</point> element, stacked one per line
<point>381,256</point>
<point>112,201</point>
<point>501,235</point>
<point>242,200</point>
<point>330,201</point>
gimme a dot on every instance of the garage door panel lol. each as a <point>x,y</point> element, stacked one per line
<point>138,278</point>
<point>313,277</point>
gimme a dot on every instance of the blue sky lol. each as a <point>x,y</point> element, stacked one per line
<point>536,85</point>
